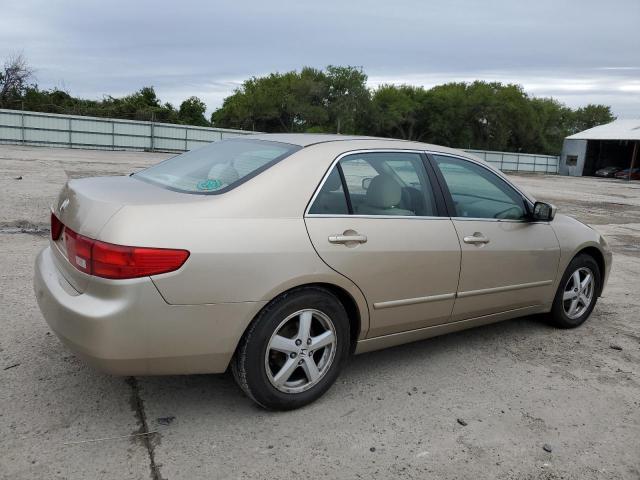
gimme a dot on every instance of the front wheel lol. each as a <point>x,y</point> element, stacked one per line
<point>577,293</point>
<point>294,350</point>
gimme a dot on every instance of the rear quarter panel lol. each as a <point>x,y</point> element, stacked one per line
<point>247,245</point>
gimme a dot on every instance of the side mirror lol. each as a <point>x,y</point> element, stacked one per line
<point>366,182</point>
<point>543,211</point>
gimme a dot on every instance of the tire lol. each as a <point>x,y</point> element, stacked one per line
<point>270,376</point>
<point>562,313</point>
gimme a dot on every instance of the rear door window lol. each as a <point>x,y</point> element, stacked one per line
<point>331,199</point>
<point>378,183</point>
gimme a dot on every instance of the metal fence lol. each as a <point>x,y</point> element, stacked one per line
<point>519,162</point>
<point>72,131</point>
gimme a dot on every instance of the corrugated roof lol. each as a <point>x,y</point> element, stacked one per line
<point>616,130</point>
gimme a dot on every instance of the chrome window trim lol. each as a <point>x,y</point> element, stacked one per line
<point>498,173</point>
<point>355,152</point>
<point>339,215</point>
<point>508,220</point>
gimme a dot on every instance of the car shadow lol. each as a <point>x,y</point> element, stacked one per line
<point>476,337</point>
<point>219,392</point>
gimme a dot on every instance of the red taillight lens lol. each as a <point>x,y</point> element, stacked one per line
<point>78,250</point>
<point>56,227</point>
<point>119,262</point>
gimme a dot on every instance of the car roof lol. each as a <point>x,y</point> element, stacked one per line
<point>306,139</point>
<point>356,142</point>
<point>309,139</point>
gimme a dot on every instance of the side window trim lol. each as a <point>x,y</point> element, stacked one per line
<point>345,187</point>
<point>437,192</point>
<point>432,177</point>
<point>442,184</point>
<point>449,198</point>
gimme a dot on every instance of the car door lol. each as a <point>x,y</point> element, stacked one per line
<point>508,261</point>
<point>377,220</point>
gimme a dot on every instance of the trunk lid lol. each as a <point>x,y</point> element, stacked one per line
<point>86,205</point>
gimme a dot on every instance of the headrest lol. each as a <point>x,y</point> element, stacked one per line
<point>384,192</point>
<point>228,175</point>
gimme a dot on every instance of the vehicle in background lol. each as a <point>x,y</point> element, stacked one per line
<point>628,174</point>
<point>609,171</point>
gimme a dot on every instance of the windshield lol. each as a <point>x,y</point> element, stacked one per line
<point>218,167</point>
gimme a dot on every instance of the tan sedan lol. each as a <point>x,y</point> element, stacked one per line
<point>281,255</point>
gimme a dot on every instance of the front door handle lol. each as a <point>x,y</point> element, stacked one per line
<point>356,238</point>
<point>476,238</point>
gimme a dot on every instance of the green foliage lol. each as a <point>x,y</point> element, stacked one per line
<point>279,102</point>
<point>398,111</point>
<point>591,116</point>
<point>141,105</point>
<point>347,99</point>
<point>307,101</point>
<point>192,112</point>
<point>482,115</point>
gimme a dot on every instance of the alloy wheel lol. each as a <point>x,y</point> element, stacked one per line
<point>300,351</point>
<point>578,292</point>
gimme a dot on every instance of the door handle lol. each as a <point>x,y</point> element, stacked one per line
<point>347,238</point>
<point>476,238</point>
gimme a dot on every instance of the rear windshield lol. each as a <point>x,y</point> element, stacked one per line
<point>218,167</point>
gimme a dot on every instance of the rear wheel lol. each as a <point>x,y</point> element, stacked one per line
<point>294,350</point>
<point>577,293</point>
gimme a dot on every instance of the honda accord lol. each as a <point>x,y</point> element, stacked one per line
<point>279,256</point>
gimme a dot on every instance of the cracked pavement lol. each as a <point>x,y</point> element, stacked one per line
<point>518,386</point>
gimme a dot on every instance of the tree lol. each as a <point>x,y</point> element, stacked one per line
<point>14,80</point>
<point>192,112</point>
<point>447,116</point>
<point>483,115</point>
<point>280,102</point>
<point>398,111</point>
<point>591,116</point>
<point>347,99</point>
<point>141,105</point>
<point>551,126</point>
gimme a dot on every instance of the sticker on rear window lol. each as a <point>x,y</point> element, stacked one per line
<point>209,184</point>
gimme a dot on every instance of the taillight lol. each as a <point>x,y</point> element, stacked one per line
<point>108,260</point>
<point>56,227</point>
<point>117,261</point>
<point>78,250</point>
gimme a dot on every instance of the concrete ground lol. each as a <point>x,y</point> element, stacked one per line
<point>515,386</point>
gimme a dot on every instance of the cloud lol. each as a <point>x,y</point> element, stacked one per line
<point>578,51</point>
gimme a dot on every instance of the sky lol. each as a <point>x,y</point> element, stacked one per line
<point>576,51</point>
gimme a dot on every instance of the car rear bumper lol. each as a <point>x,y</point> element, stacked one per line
<point>126,328</point>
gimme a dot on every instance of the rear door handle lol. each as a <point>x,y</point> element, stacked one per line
<point>476,238</point>
<point>347,238</point>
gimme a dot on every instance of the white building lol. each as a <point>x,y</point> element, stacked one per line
<point>614,144</point>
